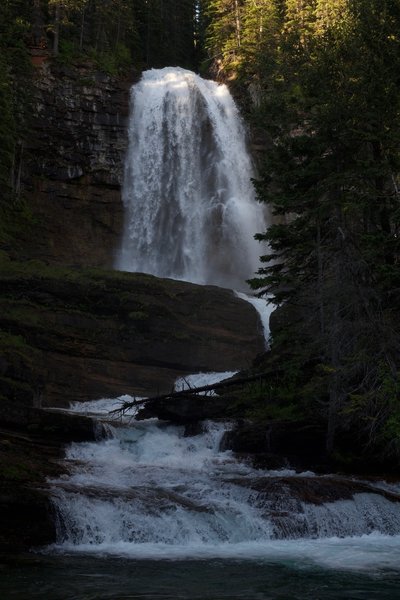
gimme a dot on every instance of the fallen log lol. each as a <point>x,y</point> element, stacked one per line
<point>193,391</point>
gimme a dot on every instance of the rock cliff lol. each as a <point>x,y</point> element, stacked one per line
<point>72,164</point>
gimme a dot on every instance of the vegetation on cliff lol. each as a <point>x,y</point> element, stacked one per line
<point>117,33</point>
<point>15,69</point>
<point>117,37</point>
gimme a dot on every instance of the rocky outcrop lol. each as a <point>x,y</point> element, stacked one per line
<point>81,334</point>
<point>55,427</point>
<point>76,334</point>
<point>280,444</point>
<point>72,164</point>
<point>315,507</point>
<point>31,452</point>
<point>26,513</point>
<point>27,518</point>
<point>187,409</point>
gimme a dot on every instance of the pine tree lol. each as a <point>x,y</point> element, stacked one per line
<point>332,178</point>
<point>224,33</point>
<point>7,128</point>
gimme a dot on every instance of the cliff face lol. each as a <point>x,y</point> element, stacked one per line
<point>73,335</point>
<point>72,165</point>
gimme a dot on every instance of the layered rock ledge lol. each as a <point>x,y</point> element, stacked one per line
<point>71,164</point>
<point>76,335</point>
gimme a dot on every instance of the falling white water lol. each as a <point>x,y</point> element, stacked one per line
<point>264,309</point>
<point>104,406</point>
<point>201,379</point>
<point>191,212</point>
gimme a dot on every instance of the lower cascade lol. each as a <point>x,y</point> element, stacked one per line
<point>152,490</point>
<point>190,208</point>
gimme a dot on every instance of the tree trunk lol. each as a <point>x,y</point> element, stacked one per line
<point>335,332</point>
<point>320,284</point>
<point>82,29</point>
<point>237,24</point>
<point>56,41</point>
<point>192,391</point>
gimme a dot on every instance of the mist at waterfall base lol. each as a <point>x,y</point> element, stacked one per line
<point>190,208</point>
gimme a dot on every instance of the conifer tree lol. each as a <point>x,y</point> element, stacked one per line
<point>334,168</point>
<point>224,34</point>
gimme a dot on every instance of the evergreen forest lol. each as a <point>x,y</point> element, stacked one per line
<point>318,82</point>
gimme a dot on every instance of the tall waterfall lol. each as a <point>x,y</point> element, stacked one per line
<point>190,208</point>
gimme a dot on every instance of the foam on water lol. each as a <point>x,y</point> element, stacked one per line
<point>152,491</point>
<point>149,491</point>
<point>371,553</point>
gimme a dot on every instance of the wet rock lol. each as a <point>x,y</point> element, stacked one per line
<point>27,459</point>
<point>314,507</point>
<point>301,445</point>
<point>187,410</point>
<point>49,425</point>
<point>316,490</point>
<point>27,519</point>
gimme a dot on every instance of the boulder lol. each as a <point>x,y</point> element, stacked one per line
<point>186,410</point>
<point>278,444</point>
<point>96,334</point>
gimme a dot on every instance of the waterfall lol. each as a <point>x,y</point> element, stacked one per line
<point>190,208</point>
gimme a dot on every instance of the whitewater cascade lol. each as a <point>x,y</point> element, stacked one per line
<point>190,205</point>
<point>151,490</point>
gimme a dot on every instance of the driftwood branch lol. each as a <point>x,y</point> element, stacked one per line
<point>190,391</point>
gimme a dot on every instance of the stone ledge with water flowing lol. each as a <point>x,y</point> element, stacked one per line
<point>150,490</point>
<point>73,334</point>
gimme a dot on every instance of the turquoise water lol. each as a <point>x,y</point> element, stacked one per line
<point>88,578</point>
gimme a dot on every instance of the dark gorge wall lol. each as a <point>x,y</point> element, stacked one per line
<point>72,164</point>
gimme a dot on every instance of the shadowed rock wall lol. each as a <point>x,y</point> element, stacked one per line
<point>72,164</point>
<point>87,334</point>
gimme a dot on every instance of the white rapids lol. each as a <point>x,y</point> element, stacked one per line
<point>190,205</point>
<point>151,491</point>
